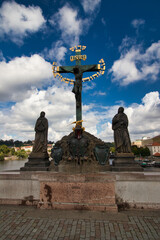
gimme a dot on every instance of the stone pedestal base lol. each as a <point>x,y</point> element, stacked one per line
<point>126,162</point>
<point>79,191</point>
<point>36,163</point>
<point>73,168</point>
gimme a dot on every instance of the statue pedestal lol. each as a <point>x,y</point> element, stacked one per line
<point>125,162</point>
<point>37,162</point>
<point>73,167</point>
<point>88,191</point>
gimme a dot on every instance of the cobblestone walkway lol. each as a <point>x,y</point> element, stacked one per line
<point>28,223</point>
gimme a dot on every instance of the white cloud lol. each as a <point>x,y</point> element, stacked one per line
<point>126,44</point>
<point>56,52</point>
<point>17,20</point>
<point>70,24</point>
<point>21,74</point>
<point>90,6</point>
<point>143,118</point>
<point>106,133</point>
<point>6,137</point>
<point>135,65</point>
<point>153,51</point>
<point>59,105</point>
<point>91,119</point>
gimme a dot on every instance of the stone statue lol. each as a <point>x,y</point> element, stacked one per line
<point>121,134</point>
<point>38,160</point>
<point>41,135</point>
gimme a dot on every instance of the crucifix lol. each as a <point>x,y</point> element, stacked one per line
<point>78,71</point>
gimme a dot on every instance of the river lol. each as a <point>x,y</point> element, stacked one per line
<point>12,164</point>
<point>9,165</point>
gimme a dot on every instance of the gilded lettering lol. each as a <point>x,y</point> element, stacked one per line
<point>78,57</point>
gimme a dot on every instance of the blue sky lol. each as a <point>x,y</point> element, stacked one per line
<point>33,34</point>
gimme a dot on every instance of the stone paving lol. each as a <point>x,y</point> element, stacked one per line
<point>29,223</point>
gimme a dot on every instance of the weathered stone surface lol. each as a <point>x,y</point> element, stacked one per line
<point>88,159</point>
<point>88,191</point>
<point>125,162</point>
<point>41,136</point>
<point>38,159</point>
<point>72,167</point>
<point>121,135</point>
<point>36,164</point>
<point>24,187</point>
<point>124,155</point>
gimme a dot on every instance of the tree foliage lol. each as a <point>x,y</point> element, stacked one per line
<point>9,143</point>
<point>144,151</point>
<point>12,143</point>
<point>4,149</point>
<point>21,153</point>
<point>140,151</point>
<point>12,151</point>
<point>1,156</point>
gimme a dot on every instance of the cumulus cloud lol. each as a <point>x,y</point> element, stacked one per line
<point>135,65</point>
<point>59,105</point>
<point>6,137</point>
<point>143,118</point>
<point>69,23</point>
<point>17,20</point>
<point>56,52</point>
<point>127,43</point>
<point>90,6</point>
<point>21,74</point>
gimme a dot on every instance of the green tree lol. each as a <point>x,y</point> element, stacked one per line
<point>21,154</point>
<point>8,143</point>
<point>135,150</point>
<point>1,156</point>
<point>145,152</point>
<point>18,143</point>
<point>142,151</point>
<point>4,149</point>
<point>12,151</point>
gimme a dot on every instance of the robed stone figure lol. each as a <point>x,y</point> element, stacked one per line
<point>38,160</point>
<point>121,134</point>
<point>41,136</point>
